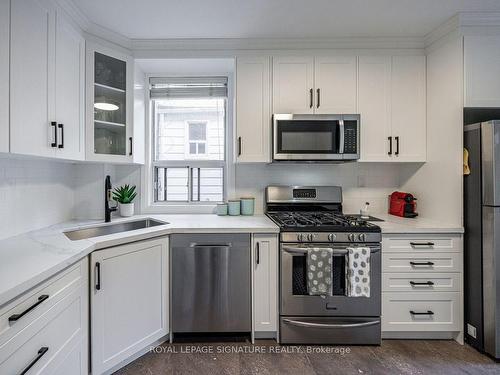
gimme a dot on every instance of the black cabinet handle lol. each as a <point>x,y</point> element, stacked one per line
<point>61,126</point>
<point>428,312</point>
<point>131,145</point>
<point>40,354</point>
<point>397,146</point>
<point>54,124</point>
<point>422,263</point>
<point>310,98</point>
<point>258,253</point>
<point>422,243</point>
<point>98,276</point>
<point>318,98</point>
<point>414,283</point>
<point>239,146</point>
<point>390,145</point>
<point>16,317</point>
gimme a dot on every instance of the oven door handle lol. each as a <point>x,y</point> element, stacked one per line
<point>323,325</point>
<point>303,250</point>
<point>341,136</point>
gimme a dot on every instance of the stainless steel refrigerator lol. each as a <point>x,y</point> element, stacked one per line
<point>482,237</point>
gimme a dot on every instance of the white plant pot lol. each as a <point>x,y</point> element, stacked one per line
<point>126,209</point>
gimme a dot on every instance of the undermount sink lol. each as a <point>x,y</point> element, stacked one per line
<point>102,230</point>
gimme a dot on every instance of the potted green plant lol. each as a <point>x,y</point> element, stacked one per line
<point>124,195</point>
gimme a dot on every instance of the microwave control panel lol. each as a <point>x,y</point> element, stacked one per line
<point>350,137</point>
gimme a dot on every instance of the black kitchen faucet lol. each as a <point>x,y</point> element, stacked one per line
<point>107,198</point>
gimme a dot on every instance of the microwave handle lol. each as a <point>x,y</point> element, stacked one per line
<point>341,138</point>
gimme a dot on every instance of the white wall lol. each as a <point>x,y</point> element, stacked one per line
<point>361,182</point>
<point>34,194</point>
<point>438,183</point>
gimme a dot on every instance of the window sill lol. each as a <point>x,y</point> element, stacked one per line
<point>180,208</point>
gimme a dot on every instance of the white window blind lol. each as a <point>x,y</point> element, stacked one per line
<point>188,87</point>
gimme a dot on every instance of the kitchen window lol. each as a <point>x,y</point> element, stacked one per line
<point>189,124</point>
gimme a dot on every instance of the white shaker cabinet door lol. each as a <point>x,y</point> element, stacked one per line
<point>32,70</point>
<point>265,276</point>
<point>129,301</point>
<point>335,81</point>
<point>70,90</point>
<point>253,109</point>
<point>408,108</point>
<point>4,74</point>
<point>293,84</point>
<point>374,103</point>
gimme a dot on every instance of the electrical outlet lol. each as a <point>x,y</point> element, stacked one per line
<point>471,330</point>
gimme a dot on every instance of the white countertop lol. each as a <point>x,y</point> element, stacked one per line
<point>28,259</point>
<point>396,224</point>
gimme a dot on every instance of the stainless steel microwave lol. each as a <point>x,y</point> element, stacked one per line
<point>315,138</point>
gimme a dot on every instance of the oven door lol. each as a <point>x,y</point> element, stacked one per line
<point>295,300</point>
<point>307,137</point>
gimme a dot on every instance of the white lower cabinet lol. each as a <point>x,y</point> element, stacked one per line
<point>129,301</point>
<point>52,337</point>
<point>422,285</point>
<point>265,282</point>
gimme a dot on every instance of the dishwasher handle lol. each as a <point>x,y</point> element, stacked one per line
<point>208,246</point>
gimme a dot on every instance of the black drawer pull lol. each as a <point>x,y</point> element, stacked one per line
<point>40,354</point>
<point>98,276</point>
<point>422,243</point>
<point>16,317</point>
<point>422,263</point>
<point>414,283</point>
<point>428,312</point>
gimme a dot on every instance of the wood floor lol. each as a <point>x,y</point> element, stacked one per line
<point>392,357</point>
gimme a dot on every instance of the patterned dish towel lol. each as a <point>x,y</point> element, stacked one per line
<point>357,267</point>
<point>319,271</point>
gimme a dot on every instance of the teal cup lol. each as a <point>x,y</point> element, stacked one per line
<point>221,209</point>
<point>233,207</point>
<point>247,206</point>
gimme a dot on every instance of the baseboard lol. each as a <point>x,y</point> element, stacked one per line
<point>265,334</point>
<point>424,335</point>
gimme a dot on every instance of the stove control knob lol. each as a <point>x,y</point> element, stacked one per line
<point>362,237</point>
<point>310,237</point>
<point>351,237</point>
<point>300,237</point>
<point>332,237</point>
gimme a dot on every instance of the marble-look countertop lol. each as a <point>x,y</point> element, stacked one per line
<point>395,224</point>
<point>29,259</point>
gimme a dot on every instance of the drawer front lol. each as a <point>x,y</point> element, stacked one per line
<point>44,344</point>
<point>421,282</point>
<point>417,243</point>
<point>421,262</point>
<point>421,311</point>
<point>20,312</point>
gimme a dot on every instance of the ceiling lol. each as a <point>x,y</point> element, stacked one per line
<point>165,19</point>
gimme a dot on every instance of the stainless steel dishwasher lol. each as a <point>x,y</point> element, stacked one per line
<point>210,283</point>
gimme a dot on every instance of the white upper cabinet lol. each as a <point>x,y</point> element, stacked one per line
<point>46,82</point>
<point>32,78</point>
<point>335,81</point>
<point>374,103</point>
<point>110,81</point>
<point>253,109</point>
<point>482,71</point>
<point>408,108</point>
<point>4,74</point>
<point>293,84</point>
<point>70,89</point>
<point>392,104</point>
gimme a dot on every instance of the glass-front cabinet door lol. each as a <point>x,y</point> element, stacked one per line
<point>109,122</point>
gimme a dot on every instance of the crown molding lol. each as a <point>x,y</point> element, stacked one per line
<point>479,19</point>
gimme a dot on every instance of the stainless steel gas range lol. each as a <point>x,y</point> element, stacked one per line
<point>311,217</point>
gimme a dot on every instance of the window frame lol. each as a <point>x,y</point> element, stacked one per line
<point>148,203</point>
<point>205,155</point>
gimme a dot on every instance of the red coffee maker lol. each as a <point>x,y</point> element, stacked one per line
<point>402,204</point>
